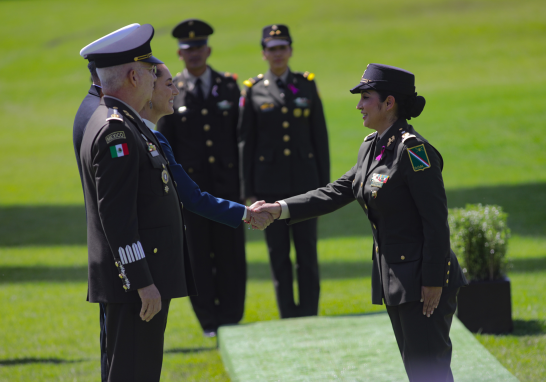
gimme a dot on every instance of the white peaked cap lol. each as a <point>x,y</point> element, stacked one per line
<point>108,39</point>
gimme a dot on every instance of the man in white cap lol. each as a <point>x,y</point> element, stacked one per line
<point>92,99</point>
<point>135,227</point>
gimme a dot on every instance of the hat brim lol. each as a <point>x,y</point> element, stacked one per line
<point>276,42</point>
<point>152,60</point>
<point>361,87</point>
<point>192,44</point>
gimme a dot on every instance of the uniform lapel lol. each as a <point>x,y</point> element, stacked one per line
<point>389,142</point>
<point>288,95</point>
<point>215,80</point>
<point>367,157</point>
<point>378,147</point>
<point>271,86</point>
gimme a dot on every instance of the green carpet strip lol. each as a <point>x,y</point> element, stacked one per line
<point>348,348</point>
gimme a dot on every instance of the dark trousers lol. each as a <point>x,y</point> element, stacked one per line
<point>304,234</point>
<point>131,349</point>
<point>217,254</point>
<point>423,341</point>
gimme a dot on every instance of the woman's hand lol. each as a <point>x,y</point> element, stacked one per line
<point>430,297</point>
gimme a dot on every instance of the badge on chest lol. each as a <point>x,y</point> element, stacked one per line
<point>379,180</point>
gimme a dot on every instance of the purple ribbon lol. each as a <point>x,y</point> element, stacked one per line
<point>293,89</point>
<point>215,90</point>
<point>380,155</point>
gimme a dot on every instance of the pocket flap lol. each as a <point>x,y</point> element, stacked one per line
<point>402,253</point>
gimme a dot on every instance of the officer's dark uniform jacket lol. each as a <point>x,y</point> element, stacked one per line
<point>135,228</point>
<point>283,142</point>
<point>213,163</point>
<point>407,211</point>
<point>85,111</point>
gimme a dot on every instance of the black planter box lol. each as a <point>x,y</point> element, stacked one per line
<point>486,306</point>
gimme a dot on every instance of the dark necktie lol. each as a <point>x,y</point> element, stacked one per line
<point>281,87</point>
<point>199,89</point>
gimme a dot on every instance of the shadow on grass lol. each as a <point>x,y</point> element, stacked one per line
<point>529,328</point>
<point>189,350</point>
<point>65,225</point>
<point>26,361</point>
<point>256,271</point>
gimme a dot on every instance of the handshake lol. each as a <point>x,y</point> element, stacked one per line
<point>261,214</point>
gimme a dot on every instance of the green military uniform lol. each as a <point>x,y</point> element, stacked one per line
<point>284,151</point>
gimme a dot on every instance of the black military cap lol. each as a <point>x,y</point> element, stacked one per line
<point>128,44</point>
<point>192,32</point>
<point>276,34</point>
<point>385,77</point>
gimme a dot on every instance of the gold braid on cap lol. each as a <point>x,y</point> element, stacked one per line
<point>139,58</point>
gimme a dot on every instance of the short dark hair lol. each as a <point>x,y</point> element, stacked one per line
<point>93,70</point>
<point>408,106</point>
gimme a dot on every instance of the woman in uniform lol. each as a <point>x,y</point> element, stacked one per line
<point>397,180</point>
<point>283,145</point>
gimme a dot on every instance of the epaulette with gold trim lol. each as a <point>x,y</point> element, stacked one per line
<point>406,136</point>
<point>369,137</point>
<point>235,76</point>
<point>113,114</point>
<point>253,80</point>
<point>307,75</point>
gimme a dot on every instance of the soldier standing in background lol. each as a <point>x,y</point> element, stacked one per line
<point>283,145</point>
<point>202,132</point>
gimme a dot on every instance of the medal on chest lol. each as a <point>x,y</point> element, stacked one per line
<point>378,180</point>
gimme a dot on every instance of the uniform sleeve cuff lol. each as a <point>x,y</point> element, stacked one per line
<point>285,214</point>
<point>245,213</point>
<point>434,275</point>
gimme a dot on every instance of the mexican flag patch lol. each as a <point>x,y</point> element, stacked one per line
<point>419,158</point>
<point>119,150</point>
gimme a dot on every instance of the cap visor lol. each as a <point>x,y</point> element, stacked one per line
<point>152,60</point>
<point>276,42</point>
<point>191,44</point>
<point>358,88</point>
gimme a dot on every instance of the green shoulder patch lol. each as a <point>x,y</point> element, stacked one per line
<point>419,158</point>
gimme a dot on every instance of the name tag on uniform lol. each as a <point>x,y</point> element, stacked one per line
<point>379,180</point>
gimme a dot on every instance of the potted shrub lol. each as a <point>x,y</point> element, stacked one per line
<point>479,237</point>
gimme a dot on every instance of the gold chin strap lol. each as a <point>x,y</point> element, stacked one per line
<point>140,58</point>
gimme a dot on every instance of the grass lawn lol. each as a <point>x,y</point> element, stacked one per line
<point>479,63</point>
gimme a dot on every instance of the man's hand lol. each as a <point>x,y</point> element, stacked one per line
<point>151,302</point>
<point>430,297</point>
<point>259,220</point>
<point>274,209</point>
